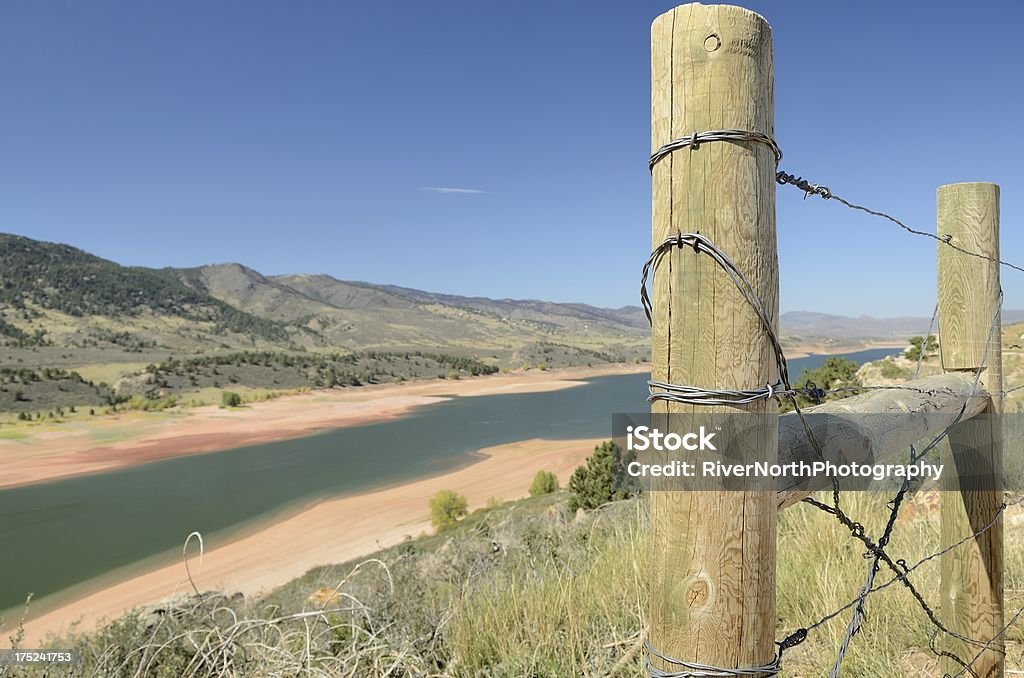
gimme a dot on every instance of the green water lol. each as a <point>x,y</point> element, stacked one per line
<point>60,534</point>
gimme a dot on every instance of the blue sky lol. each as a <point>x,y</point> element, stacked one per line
<point>307,136</point>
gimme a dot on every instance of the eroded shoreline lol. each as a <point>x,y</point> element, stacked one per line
<point>110,443</point>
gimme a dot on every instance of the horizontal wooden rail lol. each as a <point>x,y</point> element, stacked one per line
<point>899,418</point>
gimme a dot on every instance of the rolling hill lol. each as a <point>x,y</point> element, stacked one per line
<point>76,329</point>
<point>57,296</point>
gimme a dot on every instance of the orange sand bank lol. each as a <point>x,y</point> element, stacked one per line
<point>332,531</point>
<point>107,443</point>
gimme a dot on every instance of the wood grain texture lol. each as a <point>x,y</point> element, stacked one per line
<point>875,427</point>
<point>972,575</point>
<point>968,286</point>
<point>713,566</point>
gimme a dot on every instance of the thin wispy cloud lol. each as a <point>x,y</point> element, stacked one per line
<point>448,189</point>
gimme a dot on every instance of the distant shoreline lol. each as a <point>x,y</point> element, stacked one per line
<point>112,443</point>
<point>71,449</point>
<point>808,350</point>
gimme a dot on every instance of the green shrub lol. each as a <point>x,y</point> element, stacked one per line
<point>890,370</point>
<point>230,399</point>
<point>594,483</point>
<point>545,482</point>
<point>916,343</point>
<point>446,508</point>
<point>833,373</point>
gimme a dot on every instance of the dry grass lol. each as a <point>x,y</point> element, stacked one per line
<point>527,589</point>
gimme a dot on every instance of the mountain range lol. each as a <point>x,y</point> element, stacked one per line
<point>60,296</point>
<point>54,295</point>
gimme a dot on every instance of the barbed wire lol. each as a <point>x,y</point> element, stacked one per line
<point>858,614</point>
<point>697,395</point>
<point>1008,392</point>
<point>907,569</point>
<point>967,668</point>
<point>662,390</point>
<point>825,193</point>
<point>897,501</point>
<point>693,142</point>
<point>876,551</point>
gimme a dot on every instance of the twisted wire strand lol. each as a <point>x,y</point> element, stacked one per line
<point>660,390</point>
<point>697,670</point>
<point>823,192</point>
<point>693,142</point>
<point>968,667</point>
<point>898,387</point>
<point>907,569</point>
<point>858,613</point>
<point>692,395</point>
<point>1009,391</point>
<point>878,550</point>
<point>924,344</point>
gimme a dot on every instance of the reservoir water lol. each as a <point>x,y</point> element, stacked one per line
<point>59,534</point>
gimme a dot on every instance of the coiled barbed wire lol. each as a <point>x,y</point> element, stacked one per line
<point>697,670</point>
<point>694,395</point>
<point>693,142</point>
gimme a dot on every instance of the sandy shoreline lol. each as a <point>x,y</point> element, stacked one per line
<point>111,442</point>
<point>282,549</point>
<point>108,443</point>
<point>278,549</point>
<point>332,531</point>
<point>807,350</point>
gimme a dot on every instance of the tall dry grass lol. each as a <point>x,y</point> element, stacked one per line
<point>529,589</point>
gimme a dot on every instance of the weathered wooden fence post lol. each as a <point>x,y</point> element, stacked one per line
<point>969,296</point>
<point>713,567</point>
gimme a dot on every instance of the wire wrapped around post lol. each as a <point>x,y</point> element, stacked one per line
<point>693,395</point>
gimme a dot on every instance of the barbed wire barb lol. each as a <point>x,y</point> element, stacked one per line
<point>784,178</point>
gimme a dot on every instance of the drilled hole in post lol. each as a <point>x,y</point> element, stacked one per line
<point>712,42</point>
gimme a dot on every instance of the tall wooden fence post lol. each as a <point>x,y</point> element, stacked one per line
<point>713,567</point>
<point>969,295</point>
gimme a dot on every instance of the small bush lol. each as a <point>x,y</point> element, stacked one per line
<point>834,373</point>
<point>144,404</point>
<point>545,482</point>
<point>446,508</point>
<point>918,343</point>
<point>230,399</point>
<point>594,483</point>
<point>891,370</point>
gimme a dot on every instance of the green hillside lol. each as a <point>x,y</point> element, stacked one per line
<point>78,331</point>
<point>37,275</point>
<point>334,313</point>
